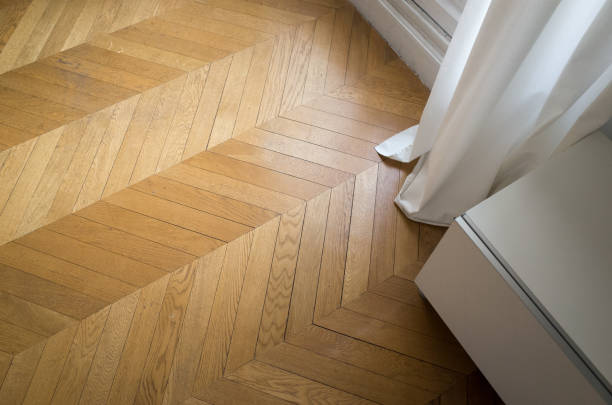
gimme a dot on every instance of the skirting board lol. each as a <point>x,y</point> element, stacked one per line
<point>415,38</point>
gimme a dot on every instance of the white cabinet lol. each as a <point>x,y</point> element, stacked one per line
<point>524,281</point>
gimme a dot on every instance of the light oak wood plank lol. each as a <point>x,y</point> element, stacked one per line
<point>333,261</point>
<point>35,105</point>
<point>357,64</point>
<point>26,122</point>
<point>100,260</point>
<point>282,163</point>
<point>258,10</point>
<point>250,307</point>
<point>298,66</point>
<point>49,367</point>
<point>362,113</point>
<point>375,358</point>
<point>228,187</point>
<point>230,100</point>
<point>195,324</point>
<point>280,285</point>
<point>61,30</point>
<point>256,175</point>
<point>340,124</point>
<point>165,339</point>
<point>14,162</point>
<point>339,48</point>
<point>136,348</point>
<point>108,352</point>
<point>343,376</point>
<point>5,364</point>
<point>383,239</point>
<point>254,87</point>
<point>303,296</point>
<point>150,228</point>
<point>20,374</point>
<point>49,295</point>
<point>306,151</point>
<point>319,60</point>
<point>291,387</point>
<point>11,137</point>
<point>30,316</point>
<point>122,243</point>
<point>360,237</point>
<point>182,122</point>
<point>15,339</point>
<point>224,310</point>
<point>180,215</point>
<point>323,137</point>
<point>227,392</point>
<point>207,110</point>
<point>401,290</point>
<point>410,109</point>
<point>401,340</point>
<point>404,86</point>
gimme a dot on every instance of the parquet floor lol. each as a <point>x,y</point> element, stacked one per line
<point>191,210</point>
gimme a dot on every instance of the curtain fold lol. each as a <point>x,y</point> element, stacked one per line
<point>521,80</point>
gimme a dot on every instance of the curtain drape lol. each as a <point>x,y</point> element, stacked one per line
<point>521,80</point>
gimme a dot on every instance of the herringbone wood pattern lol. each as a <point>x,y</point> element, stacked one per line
<point>192,211</point>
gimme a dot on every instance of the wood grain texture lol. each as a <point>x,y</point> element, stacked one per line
<point>193,212</point>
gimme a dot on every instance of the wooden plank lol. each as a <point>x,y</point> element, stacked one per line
<point>282,163</point>
<point>137,344</point>
<point>150,228</point>
<point>291,387</point>
<point>15,339</point>
<point>250,307</point>
<point>339,48</point>
<point>422,320</point>
<point>357,64</point>
<point>38,106</point>
<point>429,236</point>
<point>301,311</point>
<point>76,368</point>
<point>277,76</point>
<point>410,109</point>
<point>401,85</point>
<point>49,295</point>
<point>280,285</point>
<point>100,260</point>
<point>230,100</point>
<point>254,87</point>
<point>20,375</point>
<point>375,358</point>
<point>401,340</point>
<point>224,310</point>
<point>228,187</point>
<point>323,137</point>
<point>343,376</point>
<point>72,182</point>
<point>128,153</point>
<point>340,124</point>
<point>249,173</point>
<point>102,163</point>
<point>400,290</point>
<point>165,339</point>
<point>258,10</point>
<point>182,122</point>
<point>60,32</point>
<point>205,201</point>
<point>122,243</point>
<point>194,327</point>
<point>179,215</point>
<point>298,66</point>
<point>383,239</point>
<point>13,166</point>
<point>209,103</point>
<point>406,263</point>
<point>362,113</point>
<point>319,60</point>
<point>5,363</point>
<point>158,129</point>
<point>108,352</point>
<point>49,367</point>
<point>459,395</point>
<point>12,136</point>
<point>24,121</point>
<point>30,316</point>
<point>227,392</point>
<point>306,151</point>
<point>360,237</point>
<point>149,53</point>
<point>63,273</point>
<point>333,261</point>
<point>51,179</point>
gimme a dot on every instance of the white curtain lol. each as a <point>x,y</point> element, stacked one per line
<point>521,80</point>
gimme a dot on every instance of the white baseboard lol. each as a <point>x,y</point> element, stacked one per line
<point>418,41</point>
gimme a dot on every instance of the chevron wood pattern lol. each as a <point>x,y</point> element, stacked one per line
<point>192,211</point>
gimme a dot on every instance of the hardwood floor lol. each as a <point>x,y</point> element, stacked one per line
<point>191,210</point>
